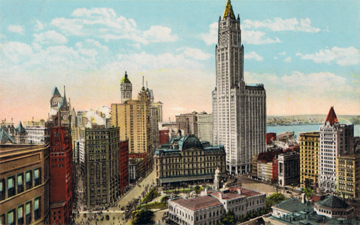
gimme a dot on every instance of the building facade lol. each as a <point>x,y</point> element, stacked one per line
<point>309,159</point>
<point>348,175</point>
<point>185,159</point>
<point>133,119</point>
<point>102,167</point>
<point>24,184</point>
<point>205,126</point>
<point>289,168</point>
<point>61,176</point>
<point>187,123</point>
<point>335,140</point>
<point>124,165</point>
<point>209,208</point>
<point>239,110</point>
<point>136,168</point>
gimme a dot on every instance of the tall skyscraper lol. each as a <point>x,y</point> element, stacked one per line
<point>61,179</point>
<point>309,158</point>
<point>239,110</point>
<point>335,140</point>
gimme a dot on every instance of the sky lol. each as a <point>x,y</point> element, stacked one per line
<point>306,53</point>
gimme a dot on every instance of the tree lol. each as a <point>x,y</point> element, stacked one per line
<point>197,189</point>
<point>144,216</point>
<point>308,192</point>
<point>228,218</point>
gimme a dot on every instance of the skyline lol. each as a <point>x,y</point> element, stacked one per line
<point>298,50</point>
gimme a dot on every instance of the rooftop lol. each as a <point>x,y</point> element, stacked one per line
<point>293,204</point>
<point>333,202</point>
<point>198,203</point>
<point>331,117</point>
<point>233,192</point>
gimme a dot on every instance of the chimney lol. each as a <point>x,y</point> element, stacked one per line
<point>206,191</point>
<point>239,191</point>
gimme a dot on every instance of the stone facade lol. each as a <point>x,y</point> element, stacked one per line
<point>239,110</point>
<point>185,159</point>
<point>289,168</point>
<point>102,166</point>
<point>205,126</point>
<point>335,140</point>
<point>209,208</point>
<point>348,175</point>
<point>25,183</point>
<point>309,158</point>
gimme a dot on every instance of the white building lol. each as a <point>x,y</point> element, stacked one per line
<point>209,208</point>
<point>335,139</point>
<point>239,110</point>
<point>205,126</point>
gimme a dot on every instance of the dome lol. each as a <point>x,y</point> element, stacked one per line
<point>125,79</point>
<point>191,141</point>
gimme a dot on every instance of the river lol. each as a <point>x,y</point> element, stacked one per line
<point>302,128</point>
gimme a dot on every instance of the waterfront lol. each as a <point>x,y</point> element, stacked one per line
<point>302,128</point>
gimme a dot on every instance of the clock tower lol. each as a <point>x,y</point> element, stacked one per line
<point>125,88</point>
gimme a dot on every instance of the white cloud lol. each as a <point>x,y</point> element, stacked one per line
<point>50,37</point>
<point>144,61</point>
<point>279,24</point>
<point>211,37</point>
<point>275,57</point>
<point>248,36</point>
<point>253,55</point>
<point>282,53</point>
<point>194,53</point>
<point>16,29</point>
<point>159,34</point>
<point>39,26</point>
<point>257,38</point>
<point>305,92</point>
<point>288,59</point>
<point>105,24</point>
<point>14,52</point>
<point>342,56</point>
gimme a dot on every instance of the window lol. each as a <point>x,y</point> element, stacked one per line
<point>10,186</point>
<point>37,177</point>
<point>28,212</point>
<point>2,193</point>
<point>20,215</point>
<point>11,218</point>
<point>20,183</point>
<point>37,209</point>
<point>28,180</point>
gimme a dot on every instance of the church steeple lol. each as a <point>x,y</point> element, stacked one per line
<point>228,11</point>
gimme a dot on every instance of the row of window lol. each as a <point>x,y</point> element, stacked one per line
<point>16,184</point>
<point>23,214</point>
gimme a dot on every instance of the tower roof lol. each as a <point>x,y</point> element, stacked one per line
<point>125,79</point>
<point>333,202</point>
<point>55,92</point>
<point>331,117</point>
<point>20,128</point>
<point>228,10</point>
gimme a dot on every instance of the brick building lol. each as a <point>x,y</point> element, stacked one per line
<point>24,184</point>
<point>124,165</point>
<point>61,180</point>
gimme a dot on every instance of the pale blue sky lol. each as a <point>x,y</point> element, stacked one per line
<point>305,52</point>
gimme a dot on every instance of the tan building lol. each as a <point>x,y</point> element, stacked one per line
<point>187,123</point>
<point>24,184</point>
<point>133,118</point>
<point>309,158</point>
<point>348,175</point>
<point>185,159</point>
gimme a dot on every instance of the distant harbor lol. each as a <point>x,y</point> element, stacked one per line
<point>301,128</point>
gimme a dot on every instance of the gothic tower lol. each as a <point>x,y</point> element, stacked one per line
<point>125,89</point>
<point>239,110</point>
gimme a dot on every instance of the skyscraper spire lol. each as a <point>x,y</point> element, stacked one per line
<point>331,117</point>
<point>228,11</point>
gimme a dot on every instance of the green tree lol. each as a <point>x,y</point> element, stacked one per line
<point>308,192</point>
<point>197,189</point>
<point>144,216</point>
<point>228,218</point>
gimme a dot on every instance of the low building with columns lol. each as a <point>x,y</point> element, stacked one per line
<point>186,159</point>
<point>209,208</point>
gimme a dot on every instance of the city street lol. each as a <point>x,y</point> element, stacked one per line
<point>113,214</point>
